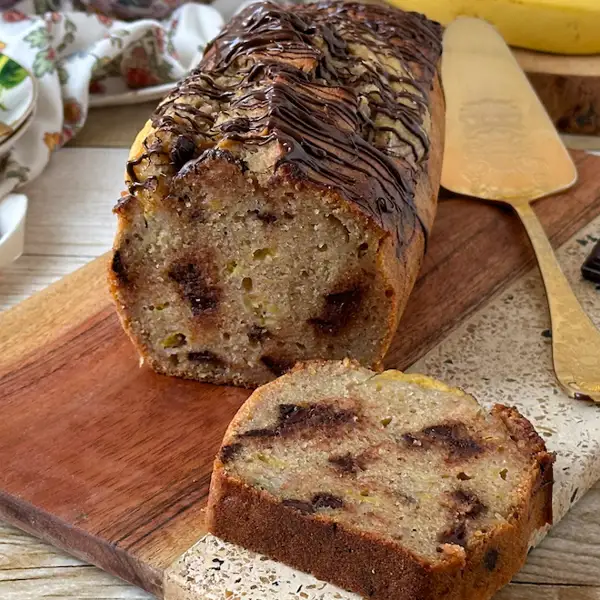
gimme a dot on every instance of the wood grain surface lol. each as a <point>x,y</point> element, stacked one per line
<point>105,459</point>
<point>103,131</point>
<point>112,462</point>
<point>569,88</point>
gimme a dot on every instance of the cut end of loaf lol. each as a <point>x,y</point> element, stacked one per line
<point>385,484</point>
<point>230,281</point>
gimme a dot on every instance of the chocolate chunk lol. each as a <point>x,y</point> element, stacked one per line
<point>183,150</point>
<point>591,267</point>
<point>455,534</point>
<point>453,436</point>
<point>411,439</point>
<point>314,415</point>
<point>339,310</point>
<point>228,452</point>
<point>265,217</point>
<point>290,414</point>
<point>155,147</point>
<point>326,500</point>
<point>467,504</point>
<point>123,203</point>
<point>490,560</point>
<point>300,505</point>
<point>293,419</point>
<point>118,268</point>
<point>258,334</point>
<point>456,436</point>
<point>204,356</point>
<point>347,463</point>
<point>202,296</point>
<point>277,365</point>
<point>265,432</point>
<point>406,498</point>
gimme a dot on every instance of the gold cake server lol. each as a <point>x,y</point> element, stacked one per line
<point>502,146</point>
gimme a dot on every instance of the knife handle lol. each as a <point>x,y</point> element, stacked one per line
<point>575,339</point>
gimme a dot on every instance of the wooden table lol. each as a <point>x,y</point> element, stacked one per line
<point>70,223</point>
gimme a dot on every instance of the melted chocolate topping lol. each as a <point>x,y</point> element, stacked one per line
<point>313,79</point>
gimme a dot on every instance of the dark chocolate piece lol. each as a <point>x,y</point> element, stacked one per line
<point>265,216</point>
<point>490,560</point>
<point>228,452</point>
<point>118,268</point>
<point>346,463</point>
<point>204,356</point>
<point>338,311</point>
<point>326,500</point>
<point>452,436</point>
<point>257,335</point>
<point>277,365</point>
<point>455,534</point>
<point>294,418</point>
<point>182,151</point>
<point>591,267</point>
<point>467,504</point>
<point>195,287</point>
<point>300,505</point>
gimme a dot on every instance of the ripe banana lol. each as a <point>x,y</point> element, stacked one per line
<point>557,26</point>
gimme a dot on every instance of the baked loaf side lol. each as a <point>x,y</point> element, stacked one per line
<point>280,198</point>
<point>393,486</point>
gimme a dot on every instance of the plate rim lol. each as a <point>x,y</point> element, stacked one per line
<point>7,143</point>
<point>15,125</point>
<point>147,94</point>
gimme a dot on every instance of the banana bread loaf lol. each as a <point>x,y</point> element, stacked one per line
<point>393,486</point>
<point>280,198</point>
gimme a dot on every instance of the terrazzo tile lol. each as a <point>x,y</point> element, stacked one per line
<point>504,354</point>
<point>501,354</point>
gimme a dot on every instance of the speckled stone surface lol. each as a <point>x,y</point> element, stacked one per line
<point>504,354</point>
<point>501,354</point>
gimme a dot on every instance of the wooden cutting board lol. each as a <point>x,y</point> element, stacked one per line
<point>569,88</point>
<point>111,462</point>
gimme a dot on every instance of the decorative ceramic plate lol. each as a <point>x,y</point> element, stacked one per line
<point>18,94</point>
<point>155,92</point>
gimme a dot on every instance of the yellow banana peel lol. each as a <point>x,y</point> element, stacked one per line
<point>557,26</point>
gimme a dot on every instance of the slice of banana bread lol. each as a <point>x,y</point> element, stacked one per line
<point>393,486</point>
<point>280,198</point>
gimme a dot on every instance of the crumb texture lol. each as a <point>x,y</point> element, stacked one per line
<point>382,465</point>
<point>280,199</point>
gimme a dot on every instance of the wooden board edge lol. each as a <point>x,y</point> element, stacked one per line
<point>557,64</point>
<point>108,557</point>
<point>573,102</point>
<point>24,321</point>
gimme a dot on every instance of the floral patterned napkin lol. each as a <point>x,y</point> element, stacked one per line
<point>72,53</point>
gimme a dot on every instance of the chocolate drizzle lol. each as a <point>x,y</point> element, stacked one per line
<point>342,87</point>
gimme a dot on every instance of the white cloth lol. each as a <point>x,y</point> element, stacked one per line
<point>73,52</point>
